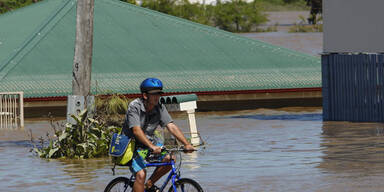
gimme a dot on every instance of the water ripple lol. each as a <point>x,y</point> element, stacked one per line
<point>298,117</point>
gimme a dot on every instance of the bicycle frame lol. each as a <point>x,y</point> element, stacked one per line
<point>172,175</point>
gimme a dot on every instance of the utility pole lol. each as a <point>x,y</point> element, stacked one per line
<point>81,76</point>
<point>81,70</point>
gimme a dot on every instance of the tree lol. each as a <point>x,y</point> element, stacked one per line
<point>316,8</point>
<point>130,1</point>
<point>164,6</point>
<point>291,1</point>
<point>187,10</point>
<point>207,16</point>
<point>238,16</point>
<point>8,5</point>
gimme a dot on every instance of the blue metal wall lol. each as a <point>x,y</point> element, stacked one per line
<point>353,87</point>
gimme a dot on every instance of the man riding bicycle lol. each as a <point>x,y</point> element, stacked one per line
<point>143,116</point>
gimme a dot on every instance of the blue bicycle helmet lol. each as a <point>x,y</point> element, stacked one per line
<point>151,85</point>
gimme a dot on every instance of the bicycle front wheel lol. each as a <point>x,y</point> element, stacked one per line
<point>187,185</point>
<point>120,184</point>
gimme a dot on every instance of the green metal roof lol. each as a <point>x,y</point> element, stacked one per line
<point>132,43</point>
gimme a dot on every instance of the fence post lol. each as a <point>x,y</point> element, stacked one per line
<point>195,140</point>
<point>184,103</point>
<point>11,110</point>
<point>21,98</point>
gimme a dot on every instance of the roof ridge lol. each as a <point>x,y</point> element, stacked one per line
<point>212,30</point>
<point>29,39</point>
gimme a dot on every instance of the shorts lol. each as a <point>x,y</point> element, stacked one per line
<point>139,163</point>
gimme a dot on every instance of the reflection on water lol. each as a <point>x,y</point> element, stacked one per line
<point>353,156</point>
<point>261,150</point>
<point>350,146</point>
<point>190,161</point>
<point>286,117</point>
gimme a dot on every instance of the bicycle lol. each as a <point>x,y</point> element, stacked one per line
<point>123,184</point>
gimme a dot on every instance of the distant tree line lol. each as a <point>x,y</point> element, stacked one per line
<point>229,15</point>
<point>8,5</point>
<point>232,15</point>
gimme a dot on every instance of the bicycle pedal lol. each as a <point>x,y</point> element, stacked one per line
<point>154,188</point>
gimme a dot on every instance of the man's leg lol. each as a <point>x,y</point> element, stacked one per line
<point>138,167</point>
<point>159,172</point>
<point>138,186</point>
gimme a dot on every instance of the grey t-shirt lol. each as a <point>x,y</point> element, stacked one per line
<point>148,121</point>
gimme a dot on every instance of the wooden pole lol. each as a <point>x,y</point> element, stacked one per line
<point>81,76</point>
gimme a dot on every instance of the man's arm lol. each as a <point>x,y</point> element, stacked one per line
<point>179,136</point>
<point>140,135</point>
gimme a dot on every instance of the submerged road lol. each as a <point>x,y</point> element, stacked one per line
<point>289,149</point>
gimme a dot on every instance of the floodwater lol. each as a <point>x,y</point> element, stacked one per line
<point>289,149</point>
<point>309,43</point>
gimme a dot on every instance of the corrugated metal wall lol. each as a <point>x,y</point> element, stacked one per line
<point>353,87</point>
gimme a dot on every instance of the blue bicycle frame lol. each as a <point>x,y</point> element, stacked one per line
<point>172,175</point>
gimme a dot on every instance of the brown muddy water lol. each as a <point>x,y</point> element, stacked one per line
<point>309,43</point>
<point>289,149</point>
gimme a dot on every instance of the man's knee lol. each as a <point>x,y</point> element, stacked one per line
<point>140,176</point>
<point>167,158</point>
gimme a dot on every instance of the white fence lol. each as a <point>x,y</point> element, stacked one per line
<point>11,110</point>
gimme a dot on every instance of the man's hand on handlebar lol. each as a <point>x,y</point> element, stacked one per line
<point>156,149</point>
<point>186,149</point>
<point>189,148</point>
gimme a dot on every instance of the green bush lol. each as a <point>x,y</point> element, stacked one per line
<point>87,139</point>
<point>238,16</point>
<point>111,109</point>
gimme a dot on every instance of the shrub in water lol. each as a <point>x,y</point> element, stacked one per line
<point>87,139</point>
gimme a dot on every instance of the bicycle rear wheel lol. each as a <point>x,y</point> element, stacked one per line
<point>119,184</point>
<point>187,185</point>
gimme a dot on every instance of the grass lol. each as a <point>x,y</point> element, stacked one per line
<point>267,29</point>
<point>299,28</point>
<point>303,28</point>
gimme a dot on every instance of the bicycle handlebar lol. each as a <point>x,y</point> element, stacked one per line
<point>177,149</point>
